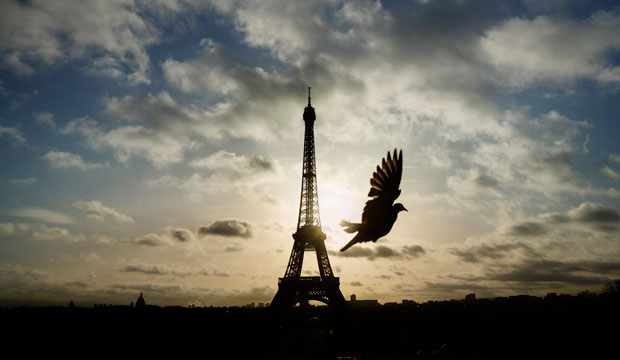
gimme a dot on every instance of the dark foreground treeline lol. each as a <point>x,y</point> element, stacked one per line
<point>517,327</point>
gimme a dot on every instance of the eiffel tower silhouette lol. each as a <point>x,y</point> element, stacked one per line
<point>294,288</point>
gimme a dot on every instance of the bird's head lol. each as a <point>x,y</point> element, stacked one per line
<point>398,207</point>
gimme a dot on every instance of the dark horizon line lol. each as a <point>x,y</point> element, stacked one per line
<point>549,295</point>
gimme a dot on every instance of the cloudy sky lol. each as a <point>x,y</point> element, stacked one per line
<point>156,146</point>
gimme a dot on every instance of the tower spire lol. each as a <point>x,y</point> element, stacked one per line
<point>309,96</point>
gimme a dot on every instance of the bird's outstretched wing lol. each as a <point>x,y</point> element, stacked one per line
<point>384,187</point>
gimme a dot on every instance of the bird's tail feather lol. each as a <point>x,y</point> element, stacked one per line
<point>350,227</point>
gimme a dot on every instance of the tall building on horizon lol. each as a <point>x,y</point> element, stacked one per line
<point>294,288</point>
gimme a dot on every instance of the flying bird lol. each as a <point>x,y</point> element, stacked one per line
<point>380,212</point>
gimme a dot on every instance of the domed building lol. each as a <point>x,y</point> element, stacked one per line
<point>140,303</point>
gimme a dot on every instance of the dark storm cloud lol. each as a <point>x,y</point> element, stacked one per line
<point>237,167</point>
<point>575,272</point>
<point>595,216</point>
<point>413,250</point>
<point>228,228</point>
<point>444,28</point>
<point>478,253</point>
<point>25,286</point>
<point>384,252</point>
<point>175,294</point>
<point>444,286</point>
<point>413,33</point>
<point>557,218</point>
<point>145,269</point>
<point>466,277</point>
<point>486,181</point>
<point>560,166</point>
<point>220,273</point>
<point>592,213</point>
<point>161,112</point>
<point>182,235</point>
<point>530,228</point>
<point>260,163</point>
<point>545,164</point>
<point>235,248</point>
<point>161,270</point>
<point>147,288</point>
<point>380,251</point>
<point>356,251</point>
<point>535,273</point>
<point>255,99</point>
<point>528,275</point>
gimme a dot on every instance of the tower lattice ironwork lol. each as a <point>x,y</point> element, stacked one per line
<point>294,288</point>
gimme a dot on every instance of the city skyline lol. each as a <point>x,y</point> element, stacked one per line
<point>158,147</point>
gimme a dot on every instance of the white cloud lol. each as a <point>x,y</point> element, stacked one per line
<point>110,37</point>
<point>193,76</point>
<point>65,160</point>
<point>228,172</point>
<point>162,144</point>
<point>43,215</point>
<point>549,48</point>
<point>159,149</point>
<point>86,127</point>
<point>13,61</point>
<point>25,181</point>
<point>91,258</point>
<point>613,174</point>
<point>11,229</point>
<point>56,234</point>
<point>13,134</point>
<point>45,118</point>
<point>172,235</point>
<point>281,29</point>
<point>247,102</point>
<point>152,239</point>
<point>101,239</point>
<point>96,210</point>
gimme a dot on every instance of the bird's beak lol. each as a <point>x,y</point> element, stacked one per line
<point>405,209</point>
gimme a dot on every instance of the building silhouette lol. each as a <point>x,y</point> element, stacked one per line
<point>140,303</point>
<point>294,288</point>
<point>355,303</point>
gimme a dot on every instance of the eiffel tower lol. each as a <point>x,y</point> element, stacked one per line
<point>294,288</point>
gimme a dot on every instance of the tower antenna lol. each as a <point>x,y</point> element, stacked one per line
<point>308,95</point>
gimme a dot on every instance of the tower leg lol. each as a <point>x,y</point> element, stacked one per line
<point>305,288</point>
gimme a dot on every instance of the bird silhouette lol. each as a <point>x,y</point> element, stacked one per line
<point>379,214</point>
